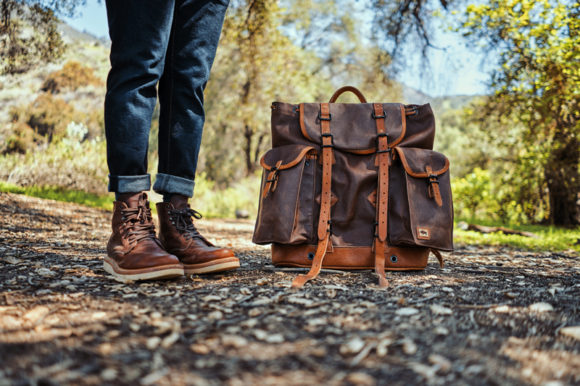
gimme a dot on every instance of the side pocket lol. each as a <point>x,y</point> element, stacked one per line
<point>286,196</point>
<point>422,212</point>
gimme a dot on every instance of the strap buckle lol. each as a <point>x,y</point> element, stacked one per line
<point>320,117</point>
<point>383,116</point>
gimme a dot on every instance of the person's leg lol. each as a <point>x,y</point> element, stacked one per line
<point>196,31</point>
<point>139,33</point>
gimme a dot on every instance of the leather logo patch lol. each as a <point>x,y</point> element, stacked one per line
<point>423,233</point>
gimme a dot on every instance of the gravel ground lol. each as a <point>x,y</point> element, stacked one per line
<point>491,316</point>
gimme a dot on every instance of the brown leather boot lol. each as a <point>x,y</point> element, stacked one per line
<point>180,237</point>
<point>134,251</point>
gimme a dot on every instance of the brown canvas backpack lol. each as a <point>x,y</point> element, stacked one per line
<point>354,186</point>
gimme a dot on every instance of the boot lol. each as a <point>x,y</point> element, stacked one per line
<point>134,252</point>
<point>180,237</point>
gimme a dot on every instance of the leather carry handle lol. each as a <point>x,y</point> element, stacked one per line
<point>344,89</point>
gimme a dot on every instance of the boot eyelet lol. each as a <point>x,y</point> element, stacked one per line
<point>394,259</point>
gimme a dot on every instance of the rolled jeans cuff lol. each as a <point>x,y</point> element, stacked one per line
<point>129,184</point>
<point>166,183</point>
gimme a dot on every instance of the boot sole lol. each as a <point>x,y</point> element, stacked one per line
<point>152,273</point>
<point>220,265</point>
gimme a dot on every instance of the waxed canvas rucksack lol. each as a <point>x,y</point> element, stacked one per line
<point>354,186</point>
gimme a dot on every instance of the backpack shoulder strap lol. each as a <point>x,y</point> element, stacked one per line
<point>324,223</point>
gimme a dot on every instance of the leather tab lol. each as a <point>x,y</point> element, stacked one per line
<point>380,263</point>
<point>299,281</point>
<point>438,256</point>
<point>434,191</point>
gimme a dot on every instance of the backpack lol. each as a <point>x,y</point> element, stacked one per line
<point>354,186</point>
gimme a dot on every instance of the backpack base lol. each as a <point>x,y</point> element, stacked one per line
<point>351,257</point>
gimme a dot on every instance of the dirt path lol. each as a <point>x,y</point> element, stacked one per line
<point>492,316</point>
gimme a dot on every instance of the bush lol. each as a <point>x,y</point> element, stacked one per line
<point>223,203</point>
<point>71,163</point>
<point>22,139</point>
<point>72,76</point>
<point>484,196</point>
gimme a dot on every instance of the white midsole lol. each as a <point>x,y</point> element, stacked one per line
<point>160,274</point>
<point>213,268</point>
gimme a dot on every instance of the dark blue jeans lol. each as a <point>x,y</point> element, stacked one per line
<point>170,43</point>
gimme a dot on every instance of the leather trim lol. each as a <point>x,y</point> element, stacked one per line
<point>290,164</point>
<point>351,89</point>
<point>425,174</point>
<point>351,257</point>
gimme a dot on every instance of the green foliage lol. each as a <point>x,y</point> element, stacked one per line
<point>537,100</point>
<point>61,194</point>
<point>550,238</point>
<point>72,76</point>
<point>212,201</point>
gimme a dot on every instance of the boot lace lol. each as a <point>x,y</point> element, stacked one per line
<point>138,224</point>
<point>184,224</point>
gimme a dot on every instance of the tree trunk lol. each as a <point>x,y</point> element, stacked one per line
<point>250,164</point>
<point>561,173</point>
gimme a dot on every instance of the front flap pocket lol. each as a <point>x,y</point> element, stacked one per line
<point>428,189</point>
<point>285,214</point>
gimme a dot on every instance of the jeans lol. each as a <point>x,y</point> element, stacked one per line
<point>170,43</point>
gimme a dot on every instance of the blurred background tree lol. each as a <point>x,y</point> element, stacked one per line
<point>536,99</point>
<point>29,32</point>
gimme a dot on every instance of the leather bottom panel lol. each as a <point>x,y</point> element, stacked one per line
<point>350,258</point>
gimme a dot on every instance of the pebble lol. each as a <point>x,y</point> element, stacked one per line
<point>443,363</point>
<point>541,307</point>
<point>199,348</point>
<point>275,338</point>
<point>45,272</point>
<point>359,378</point>
<point>572,332</point>
<point>216,315</point>
<point>501,309</point>
<point>440,330</point>
<point>153,342</point>
<point>109,374</point>
<point>440,310</point>
<point>170,339</point>
<point>409,347</point>
<point>353,346</point>
<point>235,341</point>
<point>406,311</point>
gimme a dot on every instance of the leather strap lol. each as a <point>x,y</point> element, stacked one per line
<point>325,200</point>
<point>351,89</point>
<point>272,180</point>
<point>434,186</point>
<point>383,160</point>
<point>438,256</point>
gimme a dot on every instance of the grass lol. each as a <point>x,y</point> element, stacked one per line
<point>549,238</point>
<point>60,194</point>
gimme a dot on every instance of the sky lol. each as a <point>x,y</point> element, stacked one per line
<point>453,71</point>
